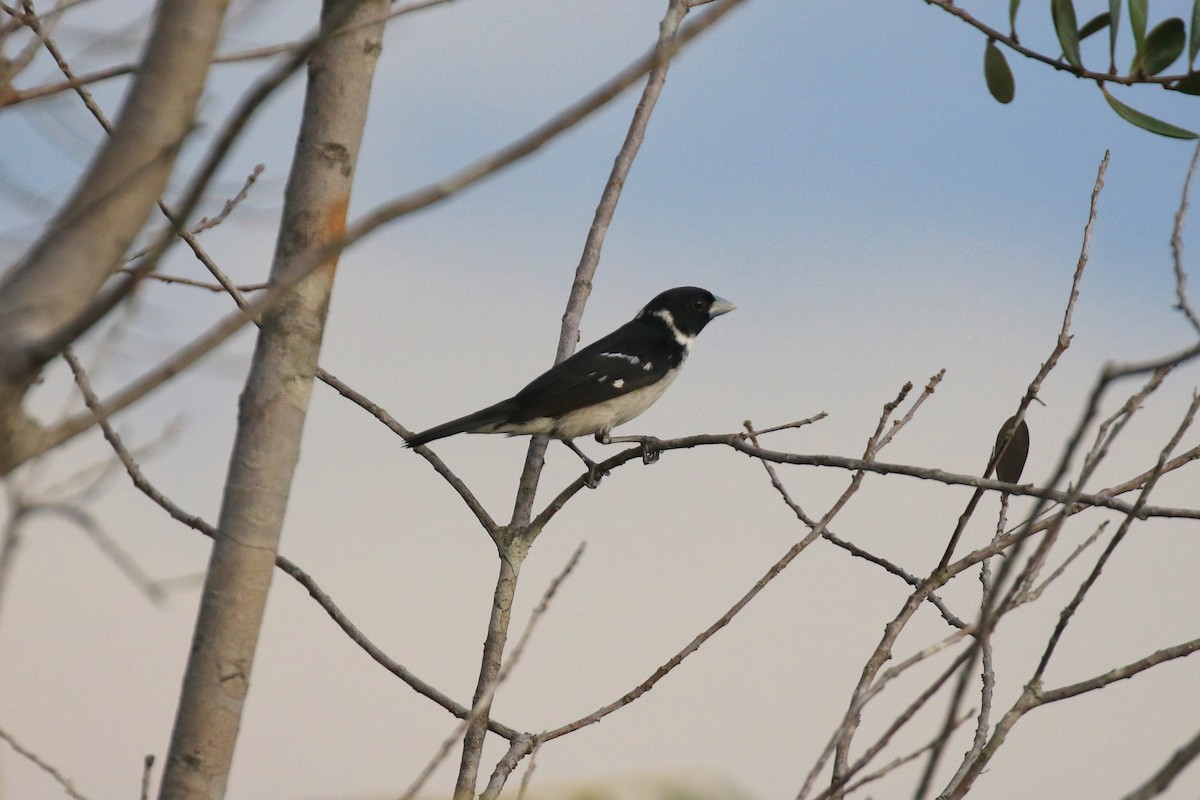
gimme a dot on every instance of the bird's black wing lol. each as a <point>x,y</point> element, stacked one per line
<point>631,357</point>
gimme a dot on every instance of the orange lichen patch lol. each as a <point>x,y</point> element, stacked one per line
<point>335,227</point>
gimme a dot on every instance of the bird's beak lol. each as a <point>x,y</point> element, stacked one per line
<point>719,307</point>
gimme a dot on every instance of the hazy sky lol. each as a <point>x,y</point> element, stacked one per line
<point>840,172</point>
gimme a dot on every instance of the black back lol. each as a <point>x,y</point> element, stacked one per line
<point>635,355</point>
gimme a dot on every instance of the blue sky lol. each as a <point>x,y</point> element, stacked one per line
<point>837,170</point>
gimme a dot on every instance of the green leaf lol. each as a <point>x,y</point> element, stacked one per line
<point>1194,34</point>
<point>1114,12</point>
<point>1063,12</point>
<point>1137,21</point>
<point>1146,121</point>
<point>1189,84</point>
<point>1163,45</point>
<point>1095,24</point>
<point>1013,5</point>
<point>997,74</point>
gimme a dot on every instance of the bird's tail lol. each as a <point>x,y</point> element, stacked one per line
<point>483,421</point>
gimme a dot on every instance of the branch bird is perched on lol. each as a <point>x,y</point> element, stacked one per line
<point>605,384</point>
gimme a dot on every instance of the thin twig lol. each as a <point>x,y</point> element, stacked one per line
<point>838,785</point>
<point>1157,783</point>
<point>212,287</point>
<point>987,674</point>
<point>1177,247</point>
<point>147,766</point>
<point>1033,594</point>
<point>107,545</point>
<point>930,387</point>
<point>895,764</point>
<point>37,761</point>
<point>1121,673</point>
<point>207,223</point>
<point>529,768</point>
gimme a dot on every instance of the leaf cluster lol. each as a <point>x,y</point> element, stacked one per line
<point>1154,52</point>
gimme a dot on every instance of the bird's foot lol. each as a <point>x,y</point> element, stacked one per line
<point>650,449</point>
<point>594,474</point>
<point>650,444</point>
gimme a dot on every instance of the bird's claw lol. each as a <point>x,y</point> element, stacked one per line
<point>594,474</point>
<point>650,450</point>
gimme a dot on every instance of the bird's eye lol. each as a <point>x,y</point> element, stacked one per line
<point>698,304</point>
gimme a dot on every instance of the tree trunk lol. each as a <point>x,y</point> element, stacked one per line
<point>272,408</point>
<point>60,276</point>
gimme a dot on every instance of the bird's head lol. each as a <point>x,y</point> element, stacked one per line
<point>686,309</point>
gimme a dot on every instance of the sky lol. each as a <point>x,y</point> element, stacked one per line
<point>840,172</point>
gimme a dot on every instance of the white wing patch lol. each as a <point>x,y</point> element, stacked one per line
<point>618,383</point>
<point>624,356</point>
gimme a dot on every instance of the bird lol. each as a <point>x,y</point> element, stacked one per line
<point>603,385</point>
<point>1011,463</point>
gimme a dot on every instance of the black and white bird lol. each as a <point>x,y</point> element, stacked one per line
<point>605,384</point>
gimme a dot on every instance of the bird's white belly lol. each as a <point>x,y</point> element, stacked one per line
<point>601,416</point>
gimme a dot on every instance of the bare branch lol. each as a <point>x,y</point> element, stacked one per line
<point>517,750</point>
<point>1033,696</point>
<point>839,784</point>
<point>1061,344</point>
<point>895,764</point>
<point>876,688</point>
<point>147,766</point>
<point>212,287</point>
<point>849,547</point>
<point>930,387</point>
<point>1120,673</point>
<point>1177,247</point>
<point>205,223</point>
<point>737,441</point>
<point>1033,594</point>
<point>800,423</point>
<point>1077,600</point>
<point>1159,781</point>
<point>438,465</point>
<point>525,744</point>
<point>41,764</point>
<point>529,769</point>
<point>728,616</point>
